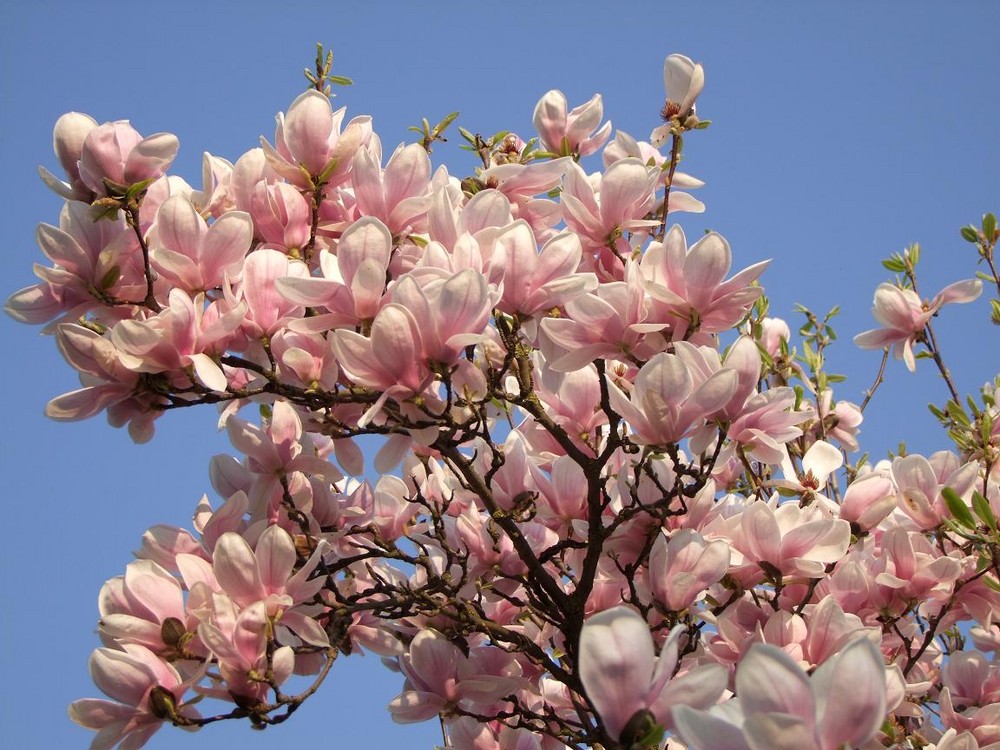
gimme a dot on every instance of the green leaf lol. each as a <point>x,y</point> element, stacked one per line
<point>448,120</point>
<point>982,508</point>
<point>958,509</point>
<point>894,265</point>
<point>340,80</point>
<point>989,226</point>
<point>969,234</point>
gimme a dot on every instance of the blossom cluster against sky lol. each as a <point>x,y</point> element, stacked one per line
<point>841,134</point>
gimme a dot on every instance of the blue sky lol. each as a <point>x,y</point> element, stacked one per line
<point>842,132</point>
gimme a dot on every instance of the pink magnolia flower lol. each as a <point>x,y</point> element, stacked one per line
<point>522,184</point>
<point>190,254</point>
<point>353,281</point>
<point>143,688</point>
<point>536,280</point>
<point>668,400</point>
<point>570,133</point>
<point>134,607</point>
<point>919,483</point>
<point>789,539</point>
<point>116,152</point>
<point>238,638</point>
<point>108,384</point>
<point>309,145</point>
<point>779,707</point>
<point>439,676</point>
<point>904,315</point>
<point>841,421</point>
<point>451,310</point>
<point>181,336</point>
<point>281,215</point>
<point>89,259</point>
<point>689,288</point>
<point>268,575</point>
<point>683,80</point>
<point>682,568</point>
<point>767,422</point>
<point>601,212</point>
<point>608,322</point>
<point>68,136</point>
<point>400,194</point>
<point>623,677</point>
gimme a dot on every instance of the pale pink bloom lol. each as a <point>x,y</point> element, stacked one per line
<point>439,676</point>
<point>778,706</point>
<point>522,183</point>
<point>135,606</point>
<point>904,315</point>
<point>622,675</point>
<point>683,567</point>
<point>193,256</point>
<point>388,361</point>
<point>281,215</point>
<point>820,461</point>
<point>907,569</point>
<point>353,281</point>
<point>452,312</point>
<point>306,359</point>
<point>88,257</point>
<point>841,421</point>
<point>982,722</point>
<point>971,678</point>
<point>919,484</point>
<point>831,629</point>
<point>268,575</point>
<point>279,449</point>
<point>399,196</point>
<point>450,217</point>
<point>570,133</point>
<point>238,638</point>
<point>116,152</point>
<point>308,141</point>
<point>215,197</point>
<point>602,213</point>
<point>539,280</point>
<point>767,423</point>
<point>792,540</point>
<point>668,400</point>
<point>267,310</point>
<point>683,80</point>
<point>128,676</point>
<point>68,135</point>
<point>108,384</point>
<point>868,499</point>
<point>953,740</point>
<point>774,332</point>
<point>625,146</point>
<point>689,288</point>
<point>609,322</point>
<point>742,357</point>
<point>184,334</point>
<point>569,398</point>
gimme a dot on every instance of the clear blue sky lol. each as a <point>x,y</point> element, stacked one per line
<point>842,132</point>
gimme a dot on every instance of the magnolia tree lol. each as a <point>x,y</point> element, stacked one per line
<point>617,505</point>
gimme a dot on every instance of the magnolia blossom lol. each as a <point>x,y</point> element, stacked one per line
<point>683,80</point>
<point>623,677</point>
<point>567,133</point>
<point>904,316</point>
<point>778,706</point>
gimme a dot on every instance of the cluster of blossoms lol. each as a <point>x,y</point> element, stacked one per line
<point>614,508</point>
